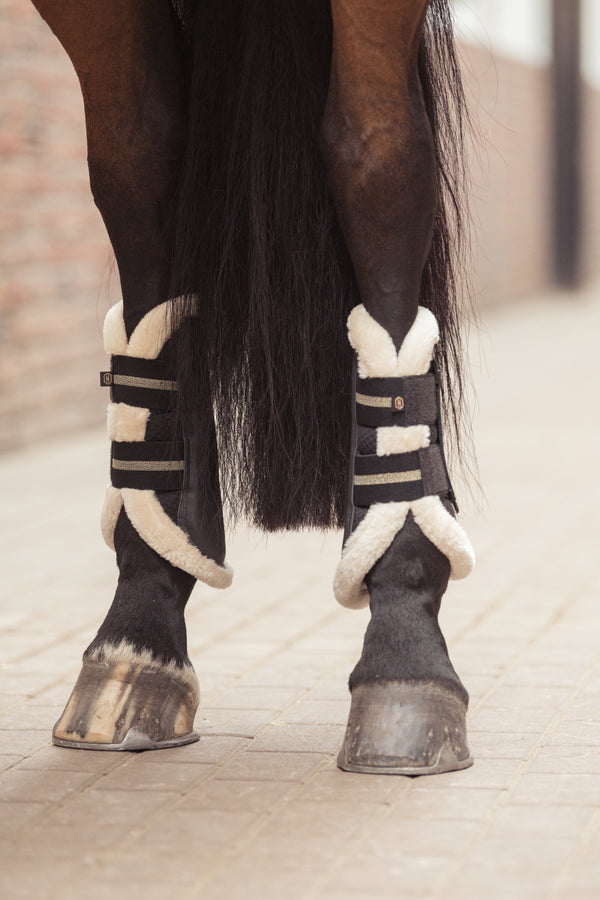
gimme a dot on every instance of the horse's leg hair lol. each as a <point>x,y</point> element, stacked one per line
<point>378,150</point>
<point>128,59</point>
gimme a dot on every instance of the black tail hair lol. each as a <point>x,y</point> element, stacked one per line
<point>261,261</point>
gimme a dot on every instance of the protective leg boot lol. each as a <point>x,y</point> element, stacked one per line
<point>162,514</point>
<point>402,544</point>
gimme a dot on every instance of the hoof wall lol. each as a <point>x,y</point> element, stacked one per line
<point>405,729</point>
<point>129,706</point>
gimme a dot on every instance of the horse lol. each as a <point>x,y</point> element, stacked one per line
<point>283,186</point>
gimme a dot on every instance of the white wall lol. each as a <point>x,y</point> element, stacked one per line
<point>590,41</point>
<point>521,29</point>
<point>515,28</point>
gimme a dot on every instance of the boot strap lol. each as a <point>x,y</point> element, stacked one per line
<point>145,383</point>
<point>400,477</point>
<point>147,465</point>
<point>403,402</point>
<point>381,402</point>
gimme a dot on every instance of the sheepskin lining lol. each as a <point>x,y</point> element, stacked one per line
<point>128,423</point>
<point>377,358</point>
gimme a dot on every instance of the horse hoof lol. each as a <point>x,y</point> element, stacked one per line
<point>129,706</point>
<point>396,728</point>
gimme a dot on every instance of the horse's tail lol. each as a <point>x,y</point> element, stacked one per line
<point>259,247</point>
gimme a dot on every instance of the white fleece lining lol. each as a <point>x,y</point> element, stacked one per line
<point>151,333</point>
<point>367,543</point>
<point>126,423</point>
<point>126,653</point>
<point>110,513</point>
<point>378,358</point>
<point>148,338</point>
<point>168,540</point>
<point>115,336</point>
<point>402,439</point>
<point>445,533</point>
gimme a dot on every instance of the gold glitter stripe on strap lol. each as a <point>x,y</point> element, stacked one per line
<point>154,384</point>
<point>148,465</point>
<point>389,477</point>
<point>380,402</point>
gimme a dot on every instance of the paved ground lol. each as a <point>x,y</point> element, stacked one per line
<point>257,807</point>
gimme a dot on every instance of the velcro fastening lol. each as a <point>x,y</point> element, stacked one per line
<point>433,470</point>
<point>147,383</point>
<point>147,465</point>
<point>383,402</point>
<point>401,477</point>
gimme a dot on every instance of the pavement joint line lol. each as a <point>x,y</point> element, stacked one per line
<point>48,686</point>
<point>221,636</point>
<point>479,618</point>
<point>42,818</point>
<point>239,677</point>
<point>207,599</point>
<point>303,691</point>
<point>456,864</point>
<point>590,831</point>
<point>545,629</point>
<point>289,644</point>
<point>171,803</point>
<point>229,854</point>
<point>51,806</point>
<point>17,763</point>
<point>56,642</point>
<point>406,784</point>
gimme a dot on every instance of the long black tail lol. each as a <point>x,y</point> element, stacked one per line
<point>261,258</point>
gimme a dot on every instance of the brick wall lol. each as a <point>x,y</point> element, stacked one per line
<point>56,275</point>
<point>54,254</point>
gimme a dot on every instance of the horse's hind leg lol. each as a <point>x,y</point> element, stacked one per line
<point>137,688</point>
<point>408,704</point>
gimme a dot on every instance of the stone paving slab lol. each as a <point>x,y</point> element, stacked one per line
<point>258,807</point>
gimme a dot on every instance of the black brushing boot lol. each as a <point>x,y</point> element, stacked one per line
<point>137,689</point>
<point>402,544</point>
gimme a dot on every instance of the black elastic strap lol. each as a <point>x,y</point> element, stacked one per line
<point>146,383</point>
<point>147,465</point>
<point>401,477</point>
<point>382,402</point>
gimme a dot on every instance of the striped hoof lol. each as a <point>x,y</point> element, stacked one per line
<point>135,705</point>
<point>397,728</point>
